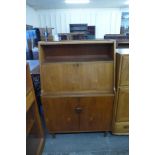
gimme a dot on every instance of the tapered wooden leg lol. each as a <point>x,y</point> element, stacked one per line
<point>105,134</point>
<point>53,135</point>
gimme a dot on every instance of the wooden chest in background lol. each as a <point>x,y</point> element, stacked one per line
<point>121,107</point>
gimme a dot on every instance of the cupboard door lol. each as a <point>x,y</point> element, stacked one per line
<point>124,79</point>
<point>122,114</point>
<point>60,115</point>
<point>77,76</point>
<point>97,76</point>
<point>96,113</point>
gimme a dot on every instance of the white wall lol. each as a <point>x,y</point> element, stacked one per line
<point>31,16</point>
<point>106,20</point>
<point>124,9</point>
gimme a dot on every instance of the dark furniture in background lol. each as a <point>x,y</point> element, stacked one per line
<point>122,40</point>
<point>84,28</point>
<point>78,28</point>
<point>29,27</point>
<point>32,39</point>
<point>116,36</point>
<point>38,36</point>
<point>63,36</point>
<point>122,44</point>
<point>72,36</point>
<point>35,75</point>
<point>91,32</point>
<point>29,52</point>
<point>78,32</point>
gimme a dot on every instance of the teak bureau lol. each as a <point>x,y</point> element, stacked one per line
<point>77,85</point>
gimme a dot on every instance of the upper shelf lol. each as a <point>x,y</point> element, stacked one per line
<point>99,50</point>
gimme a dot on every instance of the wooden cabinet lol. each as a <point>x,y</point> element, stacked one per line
<point>71,114</point>
<point>77,85</point>
<point>121,106</point>
<point>34,130</point>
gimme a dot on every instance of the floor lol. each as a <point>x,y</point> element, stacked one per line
<point>86,144</point>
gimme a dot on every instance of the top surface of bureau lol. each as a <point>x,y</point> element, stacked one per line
<point>77,66</point>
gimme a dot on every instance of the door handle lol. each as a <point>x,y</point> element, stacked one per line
<point>126,126</point>
<point>77,65</point>
<point>78,110</point>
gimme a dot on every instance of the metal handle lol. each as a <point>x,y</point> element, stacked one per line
<point>126,126</point>
<point>78,110</point>
<point>76,65</point>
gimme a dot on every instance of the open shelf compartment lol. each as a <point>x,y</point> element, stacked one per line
<point>77,52</point>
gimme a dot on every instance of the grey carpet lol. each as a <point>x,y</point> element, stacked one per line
<point>86,144</point>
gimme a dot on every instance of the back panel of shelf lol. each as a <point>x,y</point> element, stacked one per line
<point>77,52</point>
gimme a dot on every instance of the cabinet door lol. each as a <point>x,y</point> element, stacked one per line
<point>122,113</point>
<point>77,76</point>
<point>60,115</point>
<point>96,113</point>
<point>124,73</point>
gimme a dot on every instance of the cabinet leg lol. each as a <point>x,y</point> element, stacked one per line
<point>105,134</point>
<point>53,135</point>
